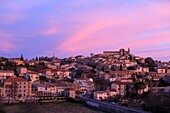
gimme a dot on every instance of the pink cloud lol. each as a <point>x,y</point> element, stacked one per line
<point>2,34</point>
<point>152,40</point>
<point>6,44</point>
<point>15,10</point>
<point>11,18</point>
<point>21,5</point>
<point>92,37</point>
<point>129,29</point>
<point>49,27</point>
<point>50,31</point>
<point>75,42</point>
<point>156,54</point>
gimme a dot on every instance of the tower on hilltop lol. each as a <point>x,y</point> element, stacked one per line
<point>128,50</point>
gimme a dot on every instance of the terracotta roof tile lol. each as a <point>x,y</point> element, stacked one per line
<point>16,79</point>
<point>113,90</point>
<point>32,73</point>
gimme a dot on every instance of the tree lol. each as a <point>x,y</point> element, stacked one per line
<point>9,65</point>
<point>150,62</point>
<point>117,98</point>
<point>45,58</point>
<point>130,57</point>
<point>131,68</point>
<point>36,58</point>
<point>22,58</point>
<point>161,83</point>
<point>139,85</point>
<point>156,102</point>
<point>127,90</point>
<point>121,68</point>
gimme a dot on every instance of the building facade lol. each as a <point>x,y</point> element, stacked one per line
<point>17,87</point>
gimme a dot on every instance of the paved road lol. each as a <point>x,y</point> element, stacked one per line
<point>87,97</point>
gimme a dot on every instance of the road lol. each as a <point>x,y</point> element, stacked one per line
<point>87,98</point>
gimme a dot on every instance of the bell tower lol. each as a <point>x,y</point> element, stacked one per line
<point>128,50</point>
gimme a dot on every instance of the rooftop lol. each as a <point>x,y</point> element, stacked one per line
<point>15,79</point>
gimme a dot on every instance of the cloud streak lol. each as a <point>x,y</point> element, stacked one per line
<point>135,29</point>
<point>85,26</point>
<point>5,44</point>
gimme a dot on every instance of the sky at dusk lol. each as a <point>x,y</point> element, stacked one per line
<point>73,27</point>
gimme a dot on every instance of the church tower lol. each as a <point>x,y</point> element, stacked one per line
<point>122,52</point>
<point>128,50</point>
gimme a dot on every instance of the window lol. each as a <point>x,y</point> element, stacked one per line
<point>19,90</point>
<point>24,90</point>
<point>24,87</point>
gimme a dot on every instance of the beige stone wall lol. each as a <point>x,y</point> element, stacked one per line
<point>72,93</point>
<point>23,89</point>
<point>1,91</point>
<point>5,74</point>
<point>19,89</point>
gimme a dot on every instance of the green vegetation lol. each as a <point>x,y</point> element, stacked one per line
<point>7,65</point>
<point>150,62</point>
<point>36,67</point>
<point>157,103</point>
<point>22,58</point>
<point>140,85</point>
<point>66,107</point>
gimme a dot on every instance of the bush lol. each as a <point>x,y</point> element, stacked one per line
<point>2,111</point>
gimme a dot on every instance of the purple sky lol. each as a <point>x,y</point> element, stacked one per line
<point>72,27</point>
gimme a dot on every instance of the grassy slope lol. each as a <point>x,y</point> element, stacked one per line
<point>65,107</point>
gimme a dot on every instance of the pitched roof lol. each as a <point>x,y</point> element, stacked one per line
<point>15,79</point>
<point>6,71</point>
<point>112,90</point>
<point>32,73</point>
<point>102,92</point>
<point>121,83</point>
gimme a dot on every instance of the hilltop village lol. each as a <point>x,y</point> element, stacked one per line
<point>117,77</point>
